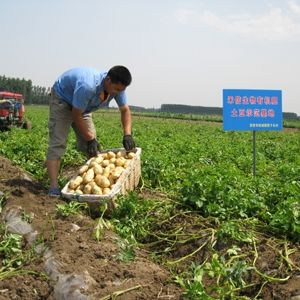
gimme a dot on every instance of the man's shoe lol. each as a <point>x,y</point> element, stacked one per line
<point>54,192</point>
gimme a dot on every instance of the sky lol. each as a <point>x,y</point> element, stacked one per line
<point>178,51</point>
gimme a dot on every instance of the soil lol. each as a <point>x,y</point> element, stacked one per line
<point>268,261</point>
<point>78,253</point>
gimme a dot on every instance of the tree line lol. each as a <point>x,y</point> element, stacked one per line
<point>33,94</point>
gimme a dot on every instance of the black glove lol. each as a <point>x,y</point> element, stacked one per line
<point>93,147</point>
<point>128,142</point>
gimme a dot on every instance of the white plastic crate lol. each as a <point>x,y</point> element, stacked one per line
<point>128,180</point>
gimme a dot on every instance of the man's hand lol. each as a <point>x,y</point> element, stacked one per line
<point>128,142</point>
<point>93,147</point>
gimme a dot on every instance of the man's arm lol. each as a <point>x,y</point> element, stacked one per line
<point>128,141</point>
<point>81,125</point>
<point>126,119</point>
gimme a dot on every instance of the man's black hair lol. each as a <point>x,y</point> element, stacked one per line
<point>119,74</point>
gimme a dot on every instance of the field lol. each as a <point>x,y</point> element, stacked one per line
<point>198,227</point>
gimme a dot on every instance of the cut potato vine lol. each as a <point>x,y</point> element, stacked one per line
<point>101,174</point>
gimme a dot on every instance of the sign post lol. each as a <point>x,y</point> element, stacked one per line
<point>255,110</point>
<point>254,153</point>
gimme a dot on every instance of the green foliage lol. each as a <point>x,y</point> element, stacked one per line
<point>101,225</point>
<point>10,246</point>
<point>27,149</point>
<point>236,230</point>
<point>27,217</point>
<point>201,166</point>
<point>194,287</point>
<point>225,278</point>
<point>131,218</point>
<point>286,218</point>
<point>71,208</point>
<point>126,251</point>
<point>13,255</point>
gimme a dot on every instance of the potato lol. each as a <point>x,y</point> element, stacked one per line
<point>116,173</point>
<point>74,183</point>
<point>89,176</point>
<point>127,163</point>
<point>87,189</point>
<point>105,163</point>
<point>119,169</point>
<point>96,190</point>
<point>106,171</point>
<point>81,187</point>
<point>114,176</point>
<point>93,164</point>
<point>111,179</point>
<point>130,155</point>
<point>101,174</point>
<point>120,161</point>
<point>98,169</point>
<point>106,191</point>
<point>112,160</point>
<point>99,159</point>
<point>111,166</point>
<point>102,181</point>
<point>121,154</point>
<point>111,154</point>
<point>104,155</point>
<point>83,169</point>
<point>92,183</point>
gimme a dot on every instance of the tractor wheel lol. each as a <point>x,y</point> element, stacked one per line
<point>27,125</point>
<point>4,128</point>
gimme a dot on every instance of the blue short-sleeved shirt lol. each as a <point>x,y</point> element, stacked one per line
<point>81,87</point>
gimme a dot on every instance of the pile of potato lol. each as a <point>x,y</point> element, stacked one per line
<point>101,174</point>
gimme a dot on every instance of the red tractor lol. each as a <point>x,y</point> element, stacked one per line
<point>12,111</point>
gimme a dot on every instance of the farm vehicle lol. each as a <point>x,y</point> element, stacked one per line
<point>12,111</point>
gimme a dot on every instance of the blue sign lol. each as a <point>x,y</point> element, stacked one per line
<point>252,109</point>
